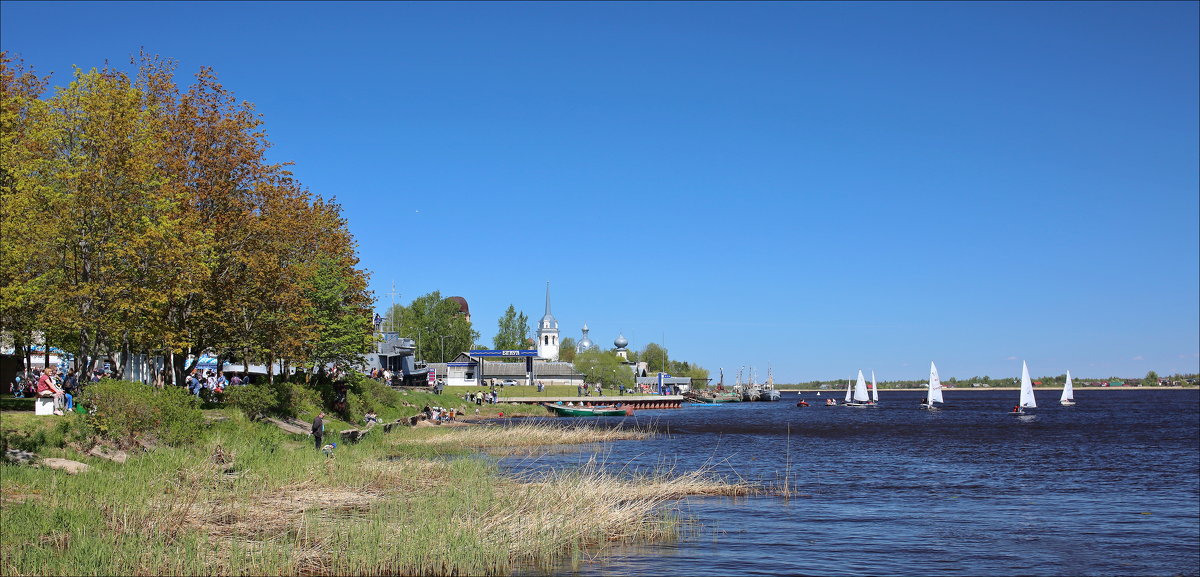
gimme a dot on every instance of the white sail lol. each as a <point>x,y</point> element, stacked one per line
<point>1027,400</point>
<point>935,385</point>
<point>860,389</point>
<point>848,391</point>
<point>874,389</point>
<point>1068,394</point>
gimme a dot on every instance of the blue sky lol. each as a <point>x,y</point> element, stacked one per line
<point>814,187</point>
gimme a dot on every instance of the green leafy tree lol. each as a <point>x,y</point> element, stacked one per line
<point>430,317</point>
<point>1151,379</point>
<point>566,349</point>
<point>343,316</point>
<point>514,331</point>
<point>655,357</point>
<point>603,367</point>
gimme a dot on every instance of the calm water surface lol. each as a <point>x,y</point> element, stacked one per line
<point>1110,486</point>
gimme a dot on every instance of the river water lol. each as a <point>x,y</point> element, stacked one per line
<point>1110,486</point>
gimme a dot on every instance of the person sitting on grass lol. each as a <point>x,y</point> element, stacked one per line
<point>370,418</point>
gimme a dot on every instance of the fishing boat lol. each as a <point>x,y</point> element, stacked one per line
<point>1026,400</point>
<point>859,397</point>
<point>749,389</point>
<point>597,411</point>
<point>935,389</point>
<point>712,398</point>
<point>1068,395</point>
<point>768,392</point>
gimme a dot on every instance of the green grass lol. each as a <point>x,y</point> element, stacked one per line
<point>247,498</point>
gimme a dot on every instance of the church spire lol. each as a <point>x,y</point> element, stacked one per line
<point>548,332</point>
<point>548,321</point>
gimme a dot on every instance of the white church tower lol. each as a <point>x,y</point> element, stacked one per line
<point>548,333</point>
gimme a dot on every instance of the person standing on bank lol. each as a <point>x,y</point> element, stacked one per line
<point>318,430</point>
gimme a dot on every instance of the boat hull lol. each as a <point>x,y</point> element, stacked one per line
<point>563,411</point>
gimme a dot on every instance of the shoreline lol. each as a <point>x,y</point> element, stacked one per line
<point>956,389</point>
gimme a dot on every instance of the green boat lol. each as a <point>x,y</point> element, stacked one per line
<point>600,411</point>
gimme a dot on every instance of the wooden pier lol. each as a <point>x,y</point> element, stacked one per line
<point>637,402</point>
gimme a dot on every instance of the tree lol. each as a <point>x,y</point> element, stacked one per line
<point>566,349</point>
<point>603,367</point>
<point>429,318</point>
<point>1151,379</point>
<point>160,228</point>
<point>343,315</point>
<point>514,331</point>
<point>655,357</point>
<point>22,248</point>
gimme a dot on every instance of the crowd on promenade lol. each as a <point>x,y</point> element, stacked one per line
<point>50,384</point>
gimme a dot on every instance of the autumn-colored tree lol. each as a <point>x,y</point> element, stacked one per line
<point>22,267</point>
<point>139,218</point>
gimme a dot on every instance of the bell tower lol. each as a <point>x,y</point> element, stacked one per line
<point>548,332</point>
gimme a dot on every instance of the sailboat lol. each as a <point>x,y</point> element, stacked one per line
<point>874,390</point>
<point>859,398</point>
<point>935,389</point>
<point>1027,401</point>
<point>1068,395</point>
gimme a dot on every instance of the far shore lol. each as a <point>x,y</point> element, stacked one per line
<point>1036,388</point>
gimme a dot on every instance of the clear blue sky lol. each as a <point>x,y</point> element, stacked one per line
<point>818,187</point>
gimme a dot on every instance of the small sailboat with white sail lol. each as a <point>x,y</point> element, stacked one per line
<point>1068,394</point>
<point>935,389</point>
<point>859,397</point>
<point>874,390</point>
<point>1027,401</point>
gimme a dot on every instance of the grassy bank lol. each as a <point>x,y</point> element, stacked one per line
<point>246,498</point>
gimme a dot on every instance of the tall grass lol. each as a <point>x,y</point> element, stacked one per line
<point>246,498</point>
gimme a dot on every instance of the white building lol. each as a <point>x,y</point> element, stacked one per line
<point>548,333</point>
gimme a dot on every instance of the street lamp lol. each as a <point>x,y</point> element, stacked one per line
<point>443,339</point>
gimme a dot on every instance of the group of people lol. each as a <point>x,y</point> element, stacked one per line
<point>384,375</point>
<point>213,382</point>
<point>439,415</point>
<point>48,384</point>
<point>586,390</point>
<point>481,397</point>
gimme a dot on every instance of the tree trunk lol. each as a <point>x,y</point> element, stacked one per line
<point>22,353</point>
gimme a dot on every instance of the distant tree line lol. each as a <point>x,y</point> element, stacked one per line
<point>1151,379</point>
<point>139,216</point>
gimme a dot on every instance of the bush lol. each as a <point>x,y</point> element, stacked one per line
<point>380,394</point>
<point>356,407</point>
<point>300,399</point>
<point>281,398</point>
<point>126,412</point>
<point>256,401</point>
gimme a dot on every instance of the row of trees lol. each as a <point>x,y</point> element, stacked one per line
<point>142,217</point>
